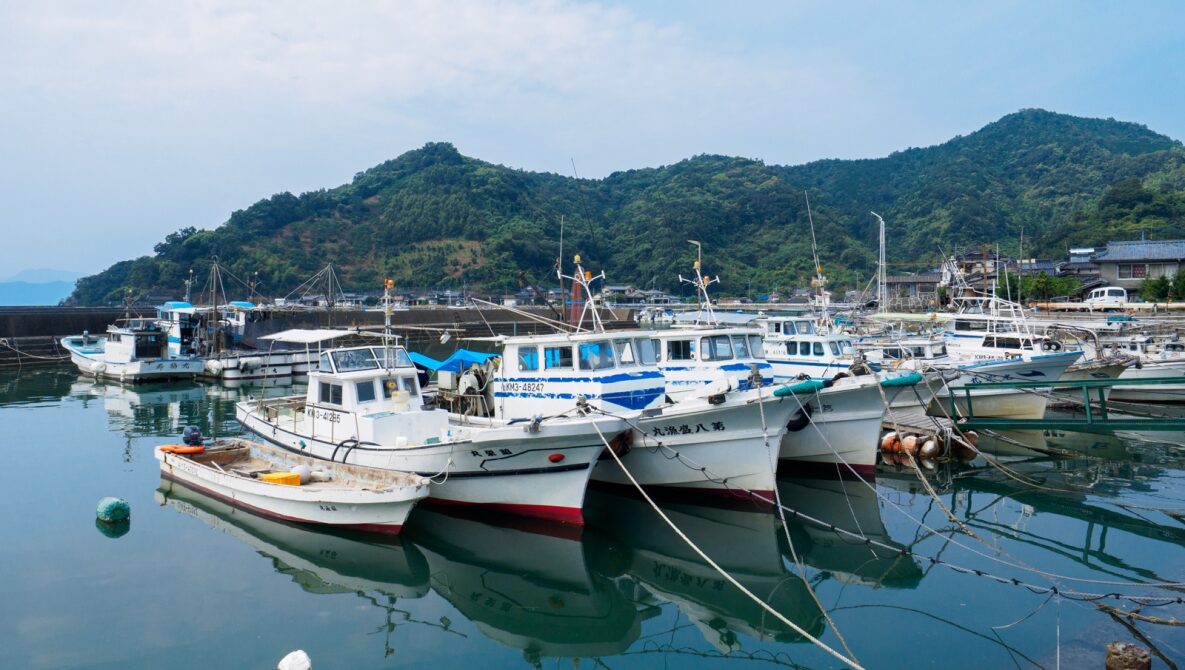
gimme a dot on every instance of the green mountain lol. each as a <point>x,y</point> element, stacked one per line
<point>433,217</point>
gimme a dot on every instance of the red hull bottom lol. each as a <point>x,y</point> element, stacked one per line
<point>570,515</point>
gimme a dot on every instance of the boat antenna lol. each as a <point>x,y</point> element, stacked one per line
<point>701,285</point>
<point>388,284</point>
<point>820,281</point>
<point>189,285</point>
<point>559,265</point>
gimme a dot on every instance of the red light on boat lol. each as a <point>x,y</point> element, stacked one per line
<point>555,458</point>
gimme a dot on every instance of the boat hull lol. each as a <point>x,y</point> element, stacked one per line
<point>1167,393</point>
<point>357,509</point>
<point>694,447</point>
<point>842,435</point>
<point>543,474</point>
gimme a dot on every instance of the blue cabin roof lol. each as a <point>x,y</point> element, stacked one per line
<point>176,304</point>
<point>461,359</point>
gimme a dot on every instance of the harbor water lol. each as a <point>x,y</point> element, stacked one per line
<point>960,578</point>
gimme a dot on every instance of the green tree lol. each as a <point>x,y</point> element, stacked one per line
<point>1155,289</point>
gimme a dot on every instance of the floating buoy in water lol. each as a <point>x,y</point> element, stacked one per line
<point>972,438</point>
<point>111,510</point>
<point>297,660</point>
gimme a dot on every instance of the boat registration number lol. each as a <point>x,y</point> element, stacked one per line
<point>325,415</point>
<point>523,387</point>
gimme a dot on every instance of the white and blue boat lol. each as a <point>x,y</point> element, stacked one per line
<point>133,350</point>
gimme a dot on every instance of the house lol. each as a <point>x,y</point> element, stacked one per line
<point>1127,264</point>
<point>912,290</point>
<point>1080,263</point>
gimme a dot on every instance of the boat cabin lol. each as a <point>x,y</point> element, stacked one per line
<point>135,340</point>
<point>692,358</point>
<point>368,393</point>
<point>795,347</point>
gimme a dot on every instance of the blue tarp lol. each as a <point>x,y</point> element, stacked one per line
<point>461,359</point>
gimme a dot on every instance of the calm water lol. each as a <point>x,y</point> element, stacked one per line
<point>194,585</point>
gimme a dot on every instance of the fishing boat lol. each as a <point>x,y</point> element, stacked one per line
<point>274,482</point>
<point>365,405</point>
<point>133,350</point>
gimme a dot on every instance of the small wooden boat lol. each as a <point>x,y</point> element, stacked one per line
<point>277,483</point>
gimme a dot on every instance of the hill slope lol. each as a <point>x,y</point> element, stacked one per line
<point>433,217</point>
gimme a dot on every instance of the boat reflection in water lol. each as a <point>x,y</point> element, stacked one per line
<point>145,409</point>
<point>852,506</point>
<point>528,586</point>
<point>744,543</point>
<point>318,560</point>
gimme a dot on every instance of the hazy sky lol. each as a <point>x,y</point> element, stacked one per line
<point>122,122</point>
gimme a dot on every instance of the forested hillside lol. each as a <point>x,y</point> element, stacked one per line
<point>433,217</point>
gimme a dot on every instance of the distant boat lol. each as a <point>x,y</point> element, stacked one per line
<point>274,482</point>
<point>135,350</point>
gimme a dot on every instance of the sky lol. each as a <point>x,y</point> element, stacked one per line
<point>124,121</point>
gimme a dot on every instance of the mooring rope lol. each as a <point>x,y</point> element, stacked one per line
<point>723,573</point>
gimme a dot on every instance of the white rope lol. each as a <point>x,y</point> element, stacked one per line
<point>731,580</point>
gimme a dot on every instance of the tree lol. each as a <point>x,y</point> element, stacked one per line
<point>1155,289</point>
<point>1178,285</point>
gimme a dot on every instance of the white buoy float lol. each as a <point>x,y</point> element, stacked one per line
<point>297,660</point>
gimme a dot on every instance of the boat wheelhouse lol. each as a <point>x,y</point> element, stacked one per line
<point>794,347</point>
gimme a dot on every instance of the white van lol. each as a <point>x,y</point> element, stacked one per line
<point>1108,297</point>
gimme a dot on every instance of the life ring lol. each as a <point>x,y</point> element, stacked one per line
<point>800,420</point>
<point>181,449</point>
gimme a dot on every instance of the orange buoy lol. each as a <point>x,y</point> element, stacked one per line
<point>910,445</point>
<point>182,449</point>
<point>890,443</point>
<point>929,449</point>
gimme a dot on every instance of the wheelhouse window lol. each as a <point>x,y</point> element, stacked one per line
<point>648,351</point>
<point>788,328</point>
<point>680,350</point>
<point>625,352</point>
<point>557,358</point>
<point>595,355</point>
<point>365,390</point>
<point>818,348</point>
<point>741,345</point>
<point>324,364</point>
<point>834,348</point>
<point>352,360</point>
<point>331,394</point>
<point>716,348</point>
<point>804,348</point>
<point>756,348</point>
<point>398,357</point>
<point>528,359</point>
<point>409,385</point>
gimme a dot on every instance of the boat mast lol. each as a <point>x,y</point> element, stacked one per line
<point>881,284</point>
<point>387,286</point>
<point>583,279</point>
<point>701,285</point>
<point>820,281</point>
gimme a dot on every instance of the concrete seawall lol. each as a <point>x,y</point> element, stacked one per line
<point>28,335</point>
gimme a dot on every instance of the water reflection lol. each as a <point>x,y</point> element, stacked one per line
<point>165,409</point>
<point>530,587</point>
<point>378,570</point>
<point>743,543</point>
<point>850,506</point>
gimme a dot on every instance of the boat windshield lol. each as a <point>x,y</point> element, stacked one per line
<point>399,357</point>
<point>647,351</point>
<point>352,360</point>
<point>595,355</point>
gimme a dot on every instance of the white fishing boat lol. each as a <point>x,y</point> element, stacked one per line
<point>133,350</point>
<point>277,483</point>
<point>364,405</point>
<point>794,348</point>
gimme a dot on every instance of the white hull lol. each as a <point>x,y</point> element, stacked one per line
<point>1003,403</point>
<point>843,432</point>
<point>1007,404</point>
<point>1166,393</point>
<point>726,439</point>
<point>381,510</point>
<point>255,365</point>
<point>543,474</point>
<point>136,371</point>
